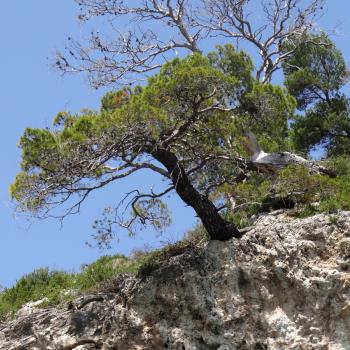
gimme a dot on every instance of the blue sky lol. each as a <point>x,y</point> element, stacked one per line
<point>30,95</point>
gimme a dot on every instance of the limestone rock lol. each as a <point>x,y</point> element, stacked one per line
<point>30,307</point>
<point>284,285</point>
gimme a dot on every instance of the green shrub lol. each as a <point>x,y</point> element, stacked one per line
<point>37,285</point>
<point>341,165</point>
<point>104,269</point>
<point>249,197</point>
<point>295,187</point>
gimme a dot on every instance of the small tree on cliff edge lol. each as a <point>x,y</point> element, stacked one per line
<point>184,125</point>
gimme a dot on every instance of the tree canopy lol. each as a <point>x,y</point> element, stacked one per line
<point>184,125</point>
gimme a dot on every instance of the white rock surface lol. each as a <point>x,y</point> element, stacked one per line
<point>30,307</point>
<point>284,285</point>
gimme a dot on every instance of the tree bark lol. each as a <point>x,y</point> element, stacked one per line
<point>216,226</point>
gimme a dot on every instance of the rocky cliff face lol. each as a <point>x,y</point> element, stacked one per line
<point>284,285</point>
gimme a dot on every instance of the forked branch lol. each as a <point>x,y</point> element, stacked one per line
<point>159,30</point>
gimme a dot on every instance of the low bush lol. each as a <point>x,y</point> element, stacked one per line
<point>37,285</point>
<point>103,270</point>
<point>292,188</point>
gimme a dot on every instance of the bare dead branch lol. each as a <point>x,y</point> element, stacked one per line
<point>284,21</point>
<point>138,49</point>
<point>157,30</point>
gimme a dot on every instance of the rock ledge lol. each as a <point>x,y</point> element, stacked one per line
<point>284,285</point>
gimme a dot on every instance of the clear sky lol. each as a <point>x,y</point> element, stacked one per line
<point>30,95</point>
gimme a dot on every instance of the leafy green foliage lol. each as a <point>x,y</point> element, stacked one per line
<point>234,64</point>
<point>142,118</point>
<point>116,99</point>
<point>196,108</point>
<point>316,70</point>
<point>103,270</point>
<point>293,188</point>
<point>325,124</point>
<point>37,285</point>
<point>266,110</point>
<point>315,75</point>
<point>249,197</point>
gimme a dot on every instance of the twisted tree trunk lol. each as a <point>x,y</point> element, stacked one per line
<point>216,226</point>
